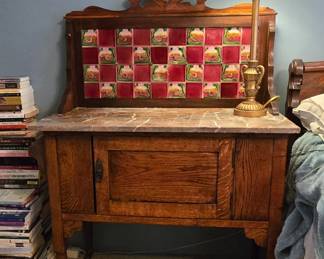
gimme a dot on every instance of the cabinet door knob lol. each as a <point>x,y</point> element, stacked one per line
<point>98,170</point>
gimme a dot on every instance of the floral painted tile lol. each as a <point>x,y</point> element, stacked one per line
<point>213,55</point>
<point>108,73</point>
<point>229,90</point>
<point>194,90</point>
<point>142,36</point>
<point>159,36</point>
<point>124,37</point>
<point>107,38</point>
<point>91,90</point>
<point>141,55</point>
<point>125,90</point>
<point>214,36</point>
<point>232,36</point>
<point>159,90</point>
<point>195,36</point>
<point>107,56</point>
<point>245,53</point>
<point>176,90</point>
<point>159,73</point>
<point>176,73</point>
<point>231,54</point>
<point>231,73</point>
<point>91,73</point>
<point>177,36</point>
<point>212,73</point>
<point>142,90</point>
<point>212,90</point>
<point>108,90</point>
<point>89,38</point>
<point>194,73</point>
<point>159,55</point>
<point>195,55</point>
<point>125,73</point>
<point>177,55</point>
<point>142,73</point>
<point>246,36</point>
<point>125,55</point>
<point>90,55</point>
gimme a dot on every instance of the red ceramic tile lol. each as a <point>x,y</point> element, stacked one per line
<point>91,73</point>
<point>125,90</point>
<point>159,90</point>
<point>108,73</point>
<point>214,36</point>
<point>246,36</point>
<point>195,55</point>
<point>91,91</point>
<point>90,55</point>
<point>231,73</point>
<point>159,55</point>
<point>177,73</point>
<point>142,90</point>
<point>107,38</point>
<point>229,90</point>
<point>231,54</point>
<point>142,73</point>
<point>178,36</point>
<point>212,73</point>
<point>142,36</point>
<point>124,55</point>
<point>245,53</point>
<point>194,90</point>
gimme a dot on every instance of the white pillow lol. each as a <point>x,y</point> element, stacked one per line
<point>311,113</point>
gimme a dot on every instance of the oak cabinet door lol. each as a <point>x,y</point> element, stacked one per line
<point>163,177</point>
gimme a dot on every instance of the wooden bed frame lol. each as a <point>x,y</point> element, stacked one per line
<point>306,79</point>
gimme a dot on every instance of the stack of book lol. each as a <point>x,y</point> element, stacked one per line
<point>17,105</point>
<point>24,210</point>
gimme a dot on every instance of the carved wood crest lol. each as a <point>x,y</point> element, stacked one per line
<point>169,5</point>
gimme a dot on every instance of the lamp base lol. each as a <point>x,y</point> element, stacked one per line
<point>250,108</point>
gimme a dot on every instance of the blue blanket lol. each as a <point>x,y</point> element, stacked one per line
<point>306,194</point>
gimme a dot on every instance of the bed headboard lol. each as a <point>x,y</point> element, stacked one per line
<point>164,54</point>
<point>306,79</point>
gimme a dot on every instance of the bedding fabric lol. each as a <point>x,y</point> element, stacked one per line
<point>311,113</point>
<point>306,195</point>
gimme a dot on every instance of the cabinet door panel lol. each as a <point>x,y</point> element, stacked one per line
<point>185,177</point>
<point>164,177</point>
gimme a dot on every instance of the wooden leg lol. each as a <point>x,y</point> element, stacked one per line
<point>55,198</point>
<point>279,165</point>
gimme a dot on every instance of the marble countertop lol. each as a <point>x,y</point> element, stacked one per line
<point>162,120</point>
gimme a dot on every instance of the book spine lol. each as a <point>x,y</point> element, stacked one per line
<point>28,182</point>
<point>19,176</point>
<point>13,147</point>
<point>10,100</point>
<point>15,153</point>
<point>10,108</point>
<point>9,85</point>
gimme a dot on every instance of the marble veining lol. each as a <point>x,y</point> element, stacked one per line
<point>163,120</point>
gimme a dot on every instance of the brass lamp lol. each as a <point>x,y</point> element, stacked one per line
<point>253,75</point>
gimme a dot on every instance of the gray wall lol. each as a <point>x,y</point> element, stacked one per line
<point>32,43</point>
